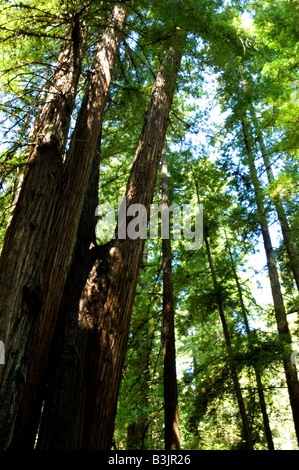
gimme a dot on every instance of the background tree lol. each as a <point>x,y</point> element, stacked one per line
<point>171,412</point>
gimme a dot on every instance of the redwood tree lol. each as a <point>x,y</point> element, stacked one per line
<point>28,234</point>
<point>63,405</point>
<point>57,246</point>
<point>110,296</point>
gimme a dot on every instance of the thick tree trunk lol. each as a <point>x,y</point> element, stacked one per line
<point>171,413</point>
<point>62,417</point>
<point>279,309</point>
<point>288,239</point>
<point>66,221</point>
<point>28,234</point>
<point>243,413</point>
<point>109,318</point>
<point>267,428</point>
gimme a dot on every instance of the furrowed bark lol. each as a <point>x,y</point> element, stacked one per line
<point>28,234</point>
<point>237,388</point>
<point>75,179</point>
<point>171,413</point>
<point>61,421</point>
<point>278,303</point>
<point>109,319</point>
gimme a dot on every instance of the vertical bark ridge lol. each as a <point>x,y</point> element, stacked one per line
<point>108,339</point>
<point>67,216</point>
<point>62,416</point>
<point>28,234</point>
<point>59,252</point>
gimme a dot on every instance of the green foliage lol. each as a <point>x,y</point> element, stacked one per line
<point>253,68</point>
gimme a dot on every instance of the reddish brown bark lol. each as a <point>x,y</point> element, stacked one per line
<point>108,316</point>
<point>28,234</point>
<point>61,422</point>
<point>43,298</point>
<point>68,213</point>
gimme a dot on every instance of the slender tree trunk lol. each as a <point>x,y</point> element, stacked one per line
<point>67,216</point>
<point>243,413</point>
<point>171,409</point>
<point>279,309</point>
<point>137,430</point>
<point>28,234</point>
<point>267,428</point>
<point>134,434</point>
<point>110,319</point>
<point>289,242</point>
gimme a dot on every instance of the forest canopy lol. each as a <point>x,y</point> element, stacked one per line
<point>113,335</point>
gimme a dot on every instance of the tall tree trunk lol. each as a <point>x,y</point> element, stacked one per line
<point>267,428</point>
<point>243,413</point>
<point>62,416</point>
<point>171,409</point>
<point>109,318</point>
<point>137,430</point>
<point>28,234</point>
<point>279,309</point>
<point>289,242</point>
<point>67,216</point>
